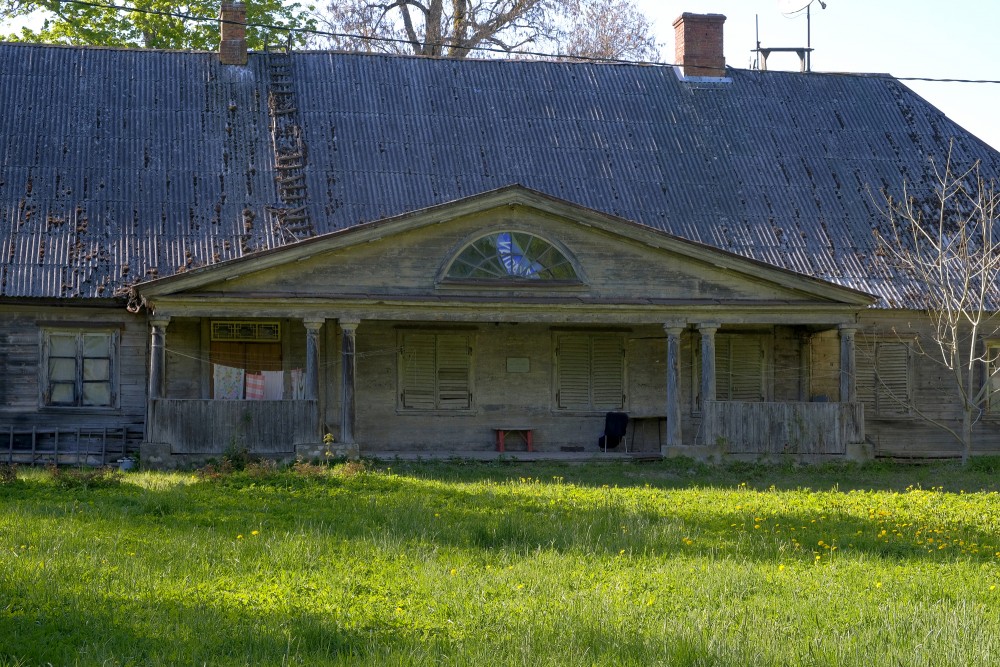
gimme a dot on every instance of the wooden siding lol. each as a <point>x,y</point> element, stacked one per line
<point>783,428</point>
<point>933,393</point>
<point>194,426</point>
<point>408,263</point>
<point>20,364</point>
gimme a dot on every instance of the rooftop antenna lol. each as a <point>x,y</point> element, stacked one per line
<point>790,8</point>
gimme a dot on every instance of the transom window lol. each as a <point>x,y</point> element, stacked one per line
<point>511,256</point>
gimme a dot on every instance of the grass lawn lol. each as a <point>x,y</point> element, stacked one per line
<point>667,563</point>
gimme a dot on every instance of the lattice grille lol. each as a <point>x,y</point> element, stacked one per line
<point>247,331</point>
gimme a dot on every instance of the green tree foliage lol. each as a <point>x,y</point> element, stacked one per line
<point>156,24</point>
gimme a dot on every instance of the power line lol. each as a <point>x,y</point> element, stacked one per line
<point>487,49</point>
<point>327,33</point>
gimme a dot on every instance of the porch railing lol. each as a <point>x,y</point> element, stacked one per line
<point>193,426</point>
<point>783,428</point>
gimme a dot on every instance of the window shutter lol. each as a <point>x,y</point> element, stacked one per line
<point>865,378</point>
<point>453,365</point>
<point>723,373</point>
<point>573,365</point>
<point>882,379</point>
<point>608,360</point>
<point>747,369</point>
<point>893,387</point>
<point>739,368</point>
<point>993,377</point>
<point>417,364</point>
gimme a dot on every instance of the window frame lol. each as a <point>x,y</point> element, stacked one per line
<point>409,338</point>
<point>615,339</point>
<point>444,279</point>
<point>45,382</point>
<point>873,409</point>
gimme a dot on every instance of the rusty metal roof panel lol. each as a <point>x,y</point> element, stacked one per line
<point>157,162</point>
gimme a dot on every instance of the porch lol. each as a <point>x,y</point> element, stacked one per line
<point>808,430</point>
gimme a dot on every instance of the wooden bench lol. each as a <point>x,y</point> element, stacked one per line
<point>524,431</point>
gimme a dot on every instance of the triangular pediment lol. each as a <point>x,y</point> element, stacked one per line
<point>411,257</point>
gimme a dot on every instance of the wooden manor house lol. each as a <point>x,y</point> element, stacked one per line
<point>295,253</point>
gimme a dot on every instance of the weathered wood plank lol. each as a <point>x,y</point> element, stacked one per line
<point>782,428</point>
<point>194,426</point>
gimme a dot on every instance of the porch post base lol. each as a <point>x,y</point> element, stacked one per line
<point>157,456</point>
<point>707,453</point>
<point>860,452</point>
<point>321,451</point>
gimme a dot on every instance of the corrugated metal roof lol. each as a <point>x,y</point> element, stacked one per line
<point>120,165</point>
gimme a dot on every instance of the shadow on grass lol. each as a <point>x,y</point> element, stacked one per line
<point>530,515</point>
<point>108,627</point>
<point>981,474</point>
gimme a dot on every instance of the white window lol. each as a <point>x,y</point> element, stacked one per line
<point>884,381</point>
<point>79,367</point>
<point>590,372</point>
<point>435,371</point>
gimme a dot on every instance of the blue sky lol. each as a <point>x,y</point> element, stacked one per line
<point>957,39</point>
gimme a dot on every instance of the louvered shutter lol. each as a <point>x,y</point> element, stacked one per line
<point>573,370</point>
<point>453,365</point>
<point>893,386</point>
<point>746,369</point>
<point>865,378</point>
<point>723,362</point>
<point>739,368</point>
<point>607,372</point>
<point>418,371</point>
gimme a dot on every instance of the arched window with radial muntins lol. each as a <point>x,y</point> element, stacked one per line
<point>505,256</point>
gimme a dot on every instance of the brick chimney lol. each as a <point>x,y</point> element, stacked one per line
<point>232,26</point>
<point>698,44</point>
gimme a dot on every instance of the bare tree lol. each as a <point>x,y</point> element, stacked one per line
<point>612,29</point>
<point>459,28</point>
<point>949,245</point>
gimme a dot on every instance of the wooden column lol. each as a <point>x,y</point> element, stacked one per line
<point>673,384</point>
<point>848,365</point>
<point>707,331</point>
<point>348,345</point>
<point>157,356</point>
<point>312,358</point>
<point>707,392</point>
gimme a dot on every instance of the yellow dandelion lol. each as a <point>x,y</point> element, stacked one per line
<point>454,572</point>
<point>239,537</point>
<point>781,567</point>
<point>255,532</point>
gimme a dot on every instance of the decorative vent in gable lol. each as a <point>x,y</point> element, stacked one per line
<point>246,331</point>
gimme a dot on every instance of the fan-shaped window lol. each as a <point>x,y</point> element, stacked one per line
<point>511,256</point>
